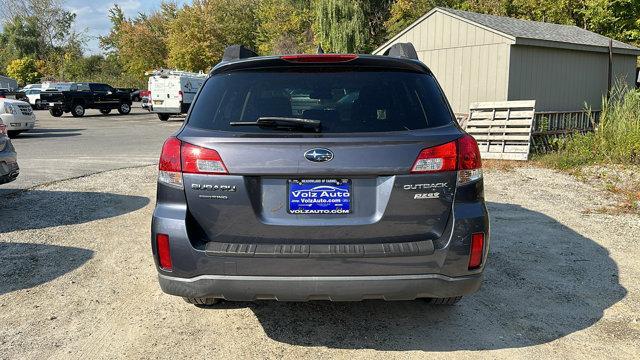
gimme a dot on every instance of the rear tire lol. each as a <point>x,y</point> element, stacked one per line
<point>163,117</point>
<point>202,301</point>
<point>444,301</point>
<point>124,108</point>
<point>56,112</point>
<point>13,133</point>
<point>105,111</point>
<point>77,110</point>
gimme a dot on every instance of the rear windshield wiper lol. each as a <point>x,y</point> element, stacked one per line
<point>281,123</point>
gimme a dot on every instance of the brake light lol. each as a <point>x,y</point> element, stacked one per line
<point>461,154</point>
<point>3,129</point>
<point>180,95</point>
<point>199,160</point>
<point>477,250</point>
<point>436,159</point>
<point>170,169</point>
<point>319,58</point>
<point>164,252</point>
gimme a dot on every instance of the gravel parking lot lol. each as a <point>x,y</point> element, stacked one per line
<point>77,278</point>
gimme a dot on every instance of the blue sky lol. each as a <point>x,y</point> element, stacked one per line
<point>92,16</point>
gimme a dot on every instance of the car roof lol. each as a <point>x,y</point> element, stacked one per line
<point>360,61</point>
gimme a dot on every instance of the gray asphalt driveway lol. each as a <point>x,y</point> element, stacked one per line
<point>67,147</point>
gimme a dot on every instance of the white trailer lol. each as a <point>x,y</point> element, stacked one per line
<point>172,91</point>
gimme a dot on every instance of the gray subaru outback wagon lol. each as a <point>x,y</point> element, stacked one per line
<point>320,177</point>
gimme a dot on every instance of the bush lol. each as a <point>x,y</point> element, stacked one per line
<point>616,138</point>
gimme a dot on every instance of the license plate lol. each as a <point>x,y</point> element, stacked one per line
<point>319,196</point>
<point>157,102</point>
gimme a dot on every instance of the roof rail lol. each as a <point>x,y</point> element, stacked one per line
<point>402,50</point>
<point>237,52</point>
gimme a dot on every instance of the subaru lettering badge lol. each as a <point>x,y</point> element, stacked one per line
<point>318,155</point>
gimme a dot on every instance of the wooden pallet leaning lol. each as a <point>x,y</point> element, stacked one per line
<point>502,129</point>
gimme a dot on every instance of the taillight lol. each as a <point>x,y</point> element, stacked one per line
<point>469,162</point>
<point>199,160</point>
<point>170,169</point>
<point>3,129</point>
<point>436,159</point>
<point>180,95</point>
<point>179,157</point>
<point>477,250</point>
<point>461,154</point>
<point>319,58</point>
<point>164,251</point>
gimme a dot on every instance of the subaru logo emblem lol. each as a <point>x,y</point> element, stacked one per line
<point>318,155</point>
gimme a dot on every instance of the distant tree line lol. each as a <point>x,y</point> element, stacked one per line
<point>38,39</point>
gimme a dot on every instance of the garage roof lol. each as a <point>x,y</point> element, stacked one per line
<point>534,33</point>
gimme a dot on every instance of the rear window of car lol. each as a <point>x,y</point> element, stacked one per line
<point>344,101</point>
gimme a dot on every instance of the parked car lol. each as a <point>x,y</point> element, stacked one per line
<point>307,177</point>
<point>9,94</point>
<point>17,116</point>
<point>133,93</point>
<point>33,95</point>
<point>31,87</point>
<point>172,91</point>
<point>9,169</point>
<point>82,96</point>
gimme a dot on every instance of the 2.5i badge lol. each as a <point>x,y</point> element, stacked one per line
<point>434,195</point>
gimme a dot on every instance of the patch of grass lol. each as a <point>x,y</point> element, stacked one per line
<point>615,140</point>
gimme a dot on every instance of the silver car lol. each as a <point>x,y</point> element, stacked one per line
<point>8,158</point>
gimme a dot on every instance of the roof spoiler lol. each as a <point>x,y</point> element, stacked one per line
<point>237,52</point>
<point>402,50</point>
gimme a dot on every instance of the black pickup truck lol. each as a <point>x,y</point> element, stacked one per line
<point>82,96</point>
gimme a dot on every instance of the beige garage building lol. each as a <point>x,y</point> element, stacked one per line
<point>479,57</point>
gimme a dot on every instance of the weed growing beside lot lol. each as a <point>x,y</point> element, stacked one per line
<point>616,139</point>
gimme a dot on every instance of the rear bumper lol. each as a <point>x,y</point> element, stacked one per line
<point>18,122</point>
<point>334,288</point>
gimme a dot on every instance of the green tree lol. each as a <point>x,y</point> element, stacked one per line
<point>201,31</point>
<point>341,26</point>
<point>284,26</point>
<point>22,37</point>
<point>404,12</point>
<point>24,70</point>
<point>618,19</point>
<point>139,44</point>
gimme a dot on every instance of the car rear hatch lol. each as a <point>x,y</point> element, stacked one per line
<point>363,177</point>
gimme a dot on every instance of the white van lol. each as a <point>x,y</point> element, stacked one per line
<point>172,91</point>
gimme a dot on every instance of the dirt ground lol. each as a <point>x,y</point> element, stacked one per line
<point>77,281</point>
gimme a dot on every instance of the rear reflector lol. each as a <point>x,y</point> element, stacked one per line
<point>436,159</point>
<point>199,160</point>
<point>477,249</point>
<point>320,58</point>
<point>164,252</point>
